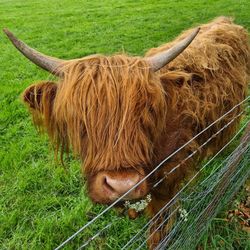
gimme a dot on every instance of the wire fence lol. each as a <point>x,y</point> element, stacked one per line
<point>193,206</point>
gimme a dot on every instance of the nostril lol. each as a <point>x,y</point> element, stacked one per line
<point>107,185</point>
<point>110,183</point>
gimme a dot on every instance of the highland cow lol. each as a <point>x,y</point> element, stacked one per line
<point>123,115</point>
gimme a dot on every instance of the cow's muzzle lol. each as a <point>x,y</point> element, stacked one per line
<point>108,186</point>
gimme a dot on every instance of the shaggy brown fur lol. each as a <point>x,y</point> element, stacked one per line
<point>117,113</point>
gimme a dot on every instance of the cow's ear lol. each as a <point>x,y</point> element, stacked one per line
<point>39,96</point>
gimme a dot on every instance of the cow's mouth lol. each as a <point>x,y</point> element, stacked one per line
<point>107,186</point>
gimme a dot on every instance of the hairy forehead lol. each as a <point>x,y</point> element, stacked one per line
<point>116,103</point>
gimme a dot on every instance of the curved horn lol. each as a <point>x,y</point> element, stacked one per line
<point>48,63</point>
<point>161,59</point>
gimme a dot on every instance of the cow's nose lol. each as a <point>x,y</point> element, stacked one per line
<point>107,186</point>
<point>121,185</point>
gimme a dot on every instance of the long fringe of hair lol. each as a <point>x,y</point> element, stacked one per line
<point>111,109</point>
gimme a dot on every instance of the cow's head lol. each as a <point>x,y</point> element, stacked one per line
<point>110,110</point>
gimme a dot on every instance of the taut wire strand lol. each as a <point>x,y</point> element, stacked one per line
<point>96,235</point>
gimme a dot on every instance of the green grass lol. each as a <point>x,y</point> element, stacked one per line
<point>41,204</point>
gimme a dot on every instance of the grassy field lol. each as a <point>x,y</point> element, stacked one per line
<point>41,204</point>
